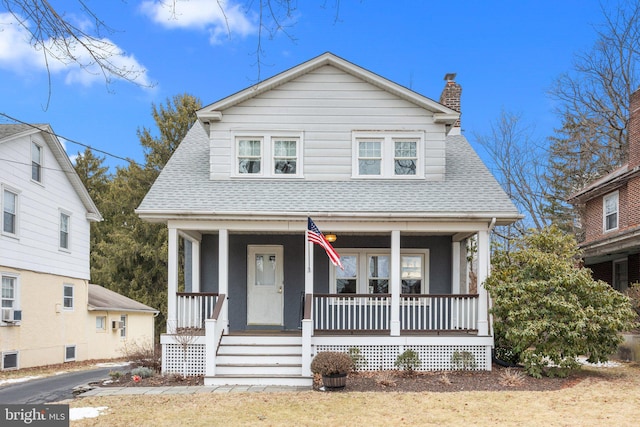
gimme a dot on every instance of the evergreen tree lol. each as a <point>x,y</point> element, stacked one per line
<point>130,255</point>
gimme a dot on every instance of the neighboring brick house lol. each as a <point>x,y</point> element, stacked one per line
<point>612,215</point>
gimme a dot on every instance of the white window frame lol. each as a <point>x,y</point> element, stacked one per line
<point>8,353</point>
<point>40,164</point>
<point>63,213</point>
<point>66,349</point>
<point>267,153</point>
<point>123,330</point>
<point>16,294</point>
<point>362,277</point>
<point>609,196</point>
<point>16,214</point>
<point>101,323</point>
<point>387,166</point>
<point>66,297</point>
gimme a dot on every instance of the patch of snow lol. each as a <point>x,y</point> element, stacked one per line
<point>18,380</point>
<point>86,412</point>
<point>61,372</point>
<point>609,364</point>
<point>112,364</point>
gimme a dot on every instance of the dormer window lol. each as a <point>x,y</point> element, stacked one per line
<point>610,209</point>
<point>268,156</point>
<point>388,155</point>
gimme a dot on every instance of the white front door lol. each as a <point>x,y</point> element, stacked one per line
<point>265,286</point>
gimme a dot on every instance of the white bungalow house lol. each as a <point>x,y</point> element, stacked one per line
<point>383,169</point>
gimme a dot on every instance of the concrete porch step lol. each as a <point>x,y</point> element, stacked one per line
<point>259,360</point>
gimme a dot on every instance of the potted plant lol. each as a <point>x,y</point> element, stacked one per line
<point>333,366</point>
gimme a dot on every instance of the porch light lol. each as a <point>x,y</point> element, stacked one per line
<point>330,237</point>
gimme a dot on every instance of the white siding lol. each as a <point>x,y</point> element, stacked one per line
<point>37,246</point>
<point>327,105</point>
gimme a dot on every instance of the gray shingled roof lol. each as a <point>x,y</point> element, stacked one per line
<point>9,130</point>
<point>103,299</point>
<point>184,187</point>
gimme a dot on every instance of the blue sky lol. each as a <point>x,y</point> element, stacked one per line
<point>506,55</point>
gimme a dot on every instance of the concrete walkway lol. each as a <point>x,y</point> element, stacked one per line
<point>126,391</point>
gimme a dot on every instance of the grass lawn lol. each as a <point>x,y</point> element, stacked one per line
<point>610,397</point>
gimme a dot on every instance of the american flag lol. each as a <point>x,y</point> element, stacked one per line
<point>314,235</point>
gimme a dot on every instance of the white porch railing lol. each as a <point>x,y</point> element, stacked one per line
<point>348,312</point>
<point>194,308</point>
<point>418,313</point>
<point>438,312</point>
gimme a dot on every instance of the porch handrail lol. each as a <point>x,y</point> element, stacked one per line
<point>308,302</point>
<point>218,308</point>
<point>193,308</point>
<point>439,312</point>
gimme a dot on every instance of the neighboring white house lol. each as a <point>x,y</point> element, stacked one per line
<point>382,168</point>
<point>44,252</point>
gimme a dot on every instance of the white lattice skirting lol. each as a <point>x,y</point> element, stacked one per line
<point>175,361</point>
<point>432,357</point>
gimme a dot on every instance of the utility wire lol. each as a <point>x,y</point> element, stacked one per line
<point>71,140</point>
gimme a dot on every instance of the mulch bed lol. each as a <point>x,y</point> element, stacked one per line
<point>499,379</point>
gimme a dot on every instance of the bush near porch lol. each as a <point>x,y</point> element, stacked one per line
<point>548,310</point>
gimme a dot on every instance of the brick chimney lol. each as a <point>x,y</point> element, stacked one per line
<point>634,129</point>
<point>451,94</point>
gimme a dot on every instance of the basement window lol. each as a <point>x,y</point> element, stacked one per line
<point>10,360</point>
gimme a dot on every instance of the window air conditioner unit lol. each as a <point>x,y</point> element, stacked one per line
<point>115,324</point>
<point>9,315</point>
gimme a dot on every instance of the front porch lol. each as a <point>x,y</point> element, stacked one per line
<point>254,307</point>
<point>440,329</point>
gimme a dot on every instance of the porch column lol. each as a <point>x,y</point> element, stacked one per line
<point>195,266</point>
<point>223,275</point>
<point>455,267</point>
<point>484,259</point>
<point>307,324</point>
<point>395,283</point>
<point>172,280</point>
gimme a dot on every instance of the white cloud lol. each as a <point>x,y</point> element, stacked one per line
<point>219,18</point>
<point>19,55</point>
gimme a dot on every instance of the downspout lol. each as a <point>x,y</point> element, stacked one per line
<point>492,225</point>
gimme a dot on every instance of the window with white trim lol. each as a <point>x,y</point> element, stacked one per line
<point>8,296</point>
<point>388,155</point>
<point>69,353</point>
<point>610,208</point>
<point>369,271</point>
<point>268,155</point>
<point>101,323</point>
<point>65,226</point>
<point>36,162</point>
<point>67,297</point>
<point>9,212</point>
<point>9,360</point>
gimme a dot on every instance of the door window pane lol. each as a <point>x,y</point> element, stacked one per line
<point>265,269</point>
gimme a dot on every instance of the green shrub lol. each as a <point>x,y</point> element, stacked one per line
<point>463,360</point>
<point>357,359</point>
<point>408,361</point>
<point>549,310</point>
